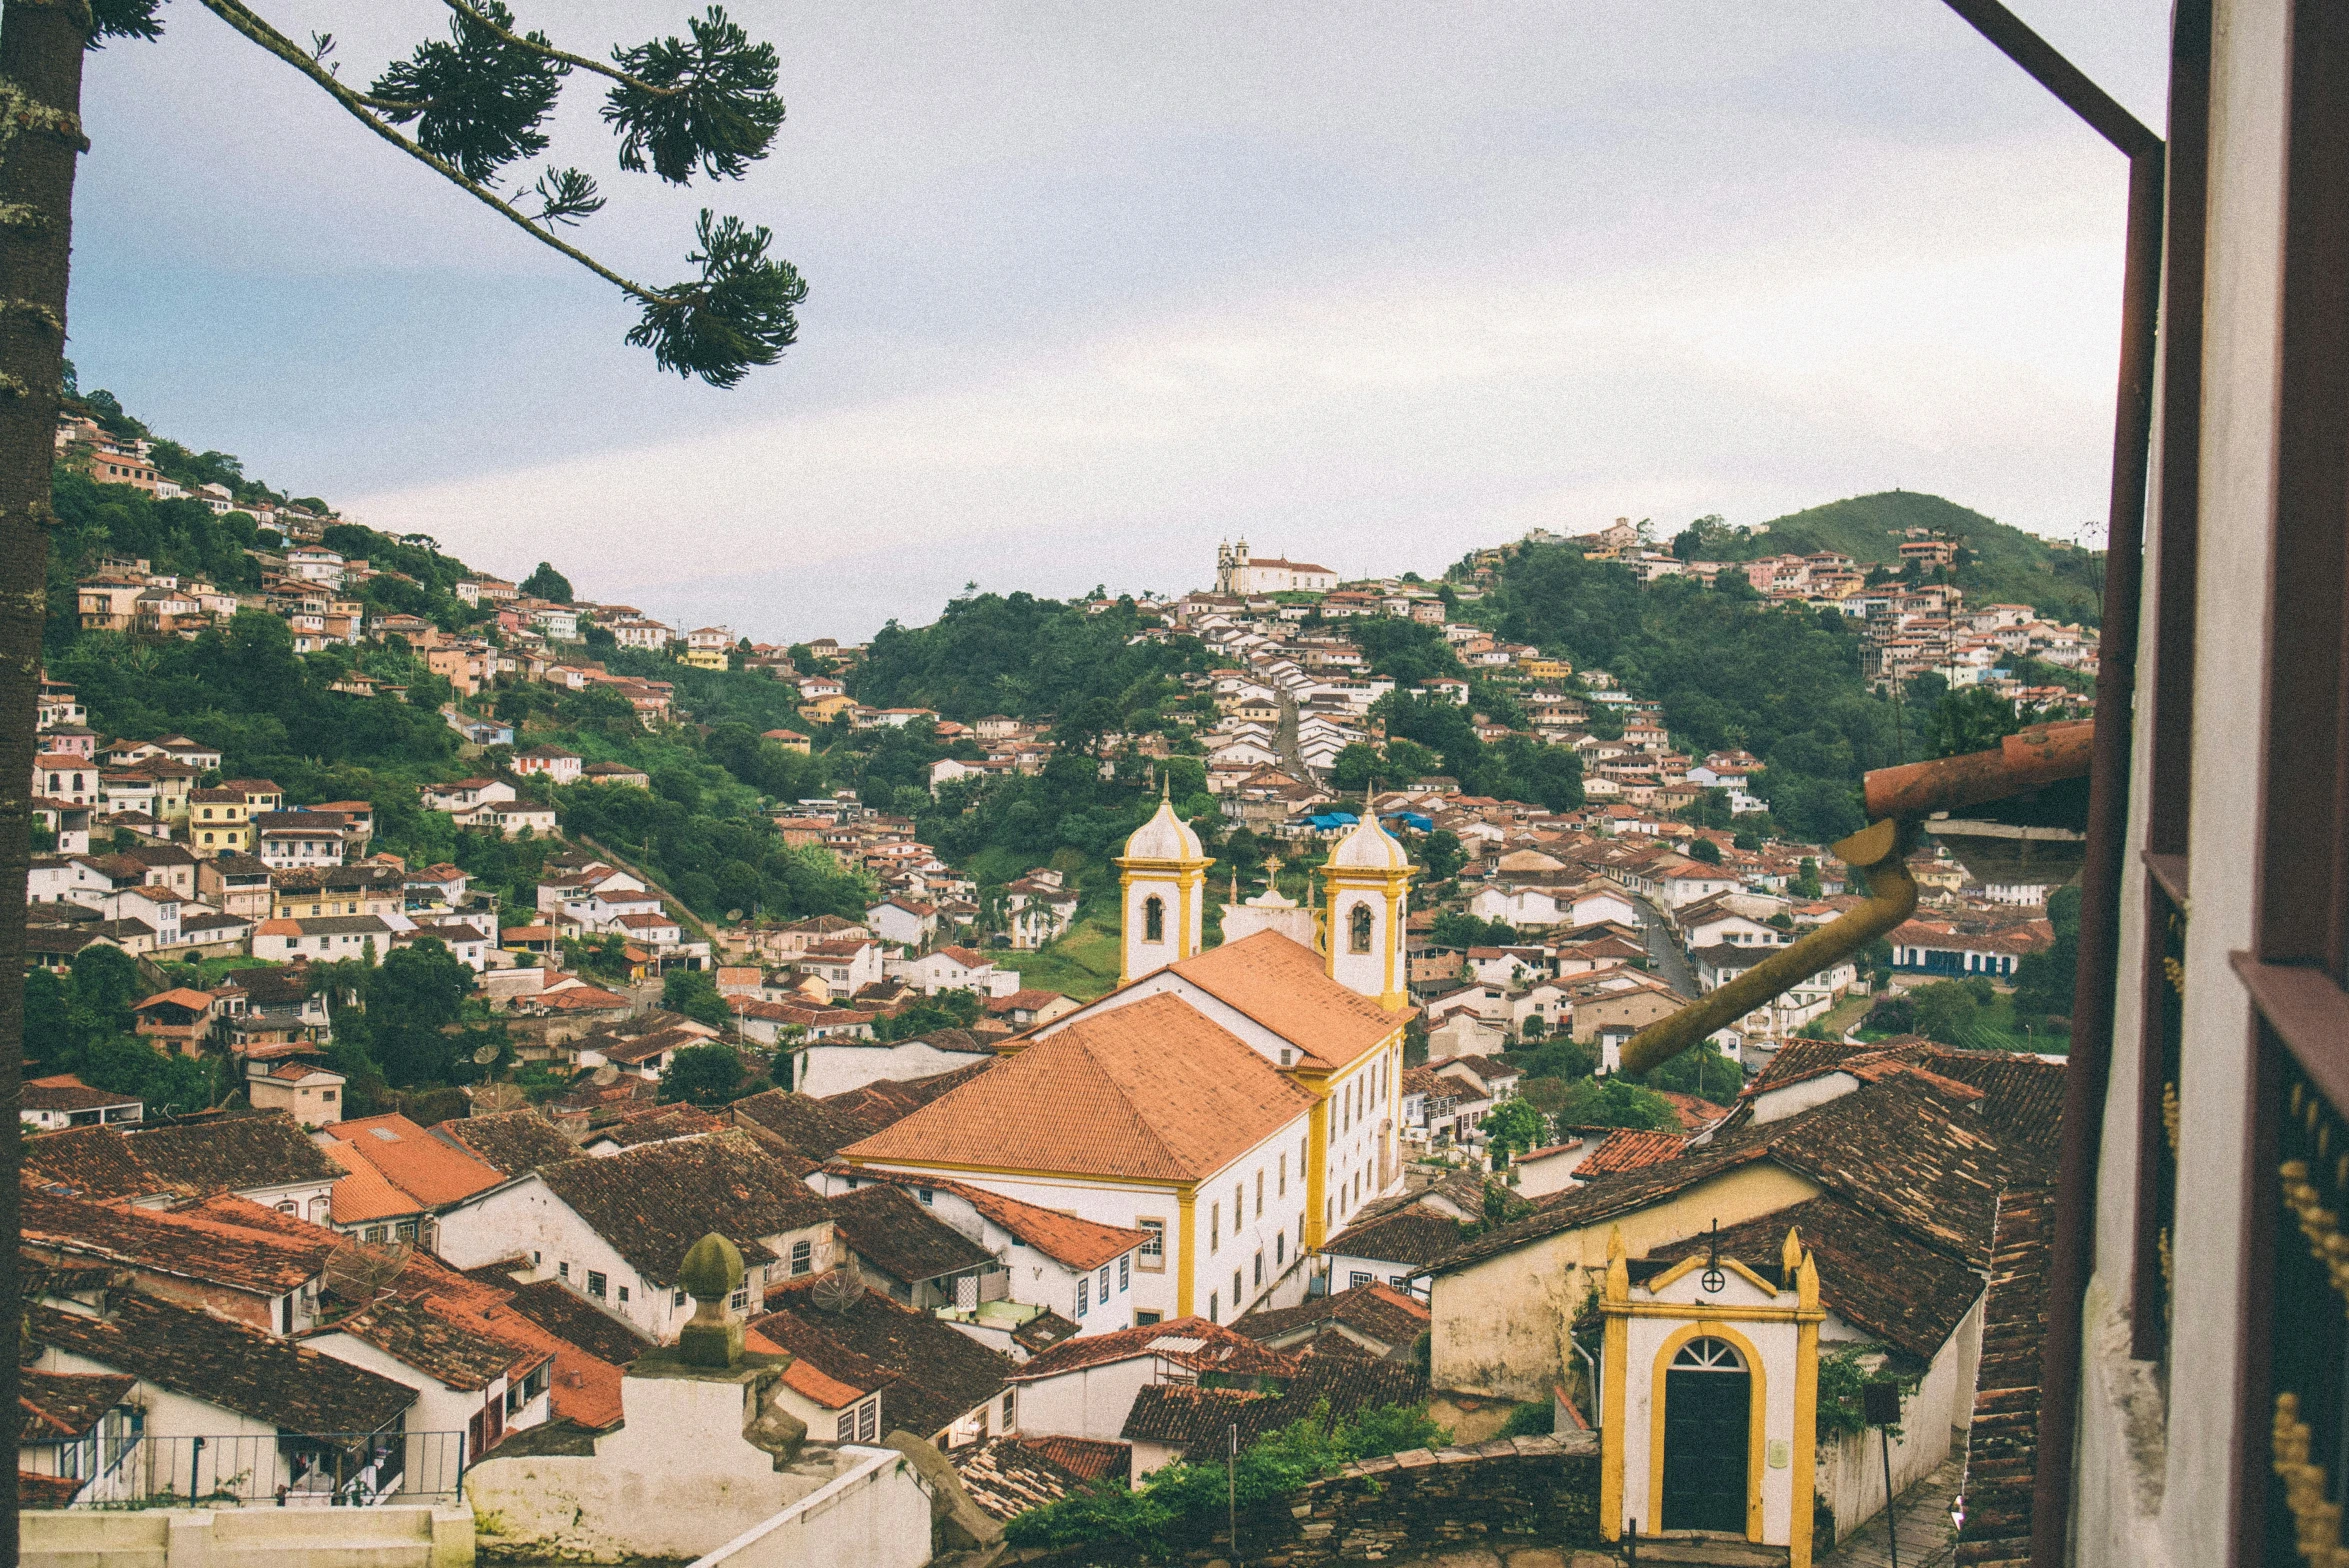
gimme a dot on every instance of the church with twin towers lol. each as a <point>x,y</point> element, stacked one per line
<point>1231,1107</point>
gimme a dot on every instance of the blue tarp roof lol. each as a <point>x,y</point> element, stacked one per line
<point>1333,819</point>
<point>1413,820</point>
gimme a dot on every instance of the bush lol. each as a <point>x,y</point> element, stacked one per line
<point>1148,1521</point>
<point>1534,1418</point>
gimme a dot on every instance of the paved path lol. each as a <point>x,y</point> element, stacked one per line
<point>1923,1514</point>
<point>1672,965</point>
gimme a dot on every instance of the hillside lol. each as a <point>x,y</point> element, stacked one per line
<point>2002,564</point>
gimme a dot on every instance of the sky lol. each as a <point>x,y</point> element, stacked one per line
<point>1095,287</point>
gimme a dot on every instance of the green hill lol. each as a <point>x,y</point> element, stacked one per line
<point>2001,564</point>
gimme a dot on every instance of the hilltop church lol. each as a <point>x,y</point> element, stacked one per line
<point>1234,1105</point>
<point>1239,576</point>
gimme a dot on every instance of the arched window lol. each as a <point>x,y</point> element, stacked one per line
<point>1154,919</point>
<point>1708,1355</point>
<point>1358,929</point>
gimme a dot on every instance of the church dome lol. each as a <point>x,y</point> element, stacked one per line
<point>1164,837</point>
<point>1369,848</point>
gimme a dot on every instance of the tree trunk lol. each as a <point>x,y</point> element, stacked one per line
<point>40,141</point>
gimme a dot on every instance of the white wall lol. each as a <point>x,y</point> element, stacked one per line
<point>676,1479</point>
<point>1088,1402</point>
<point>526,1219</point>
<point>1851,1469</point>
<point>836,1067</point>
<point>876,1515</point>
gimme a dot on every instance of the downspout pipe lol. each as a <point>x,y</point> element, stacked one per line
<point>2071,1256</point>
<point>1880,853</point>
<point>2042,755</point>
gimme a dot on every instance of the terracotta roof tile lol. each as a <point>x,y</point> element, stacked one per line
<point>1081,1244</point>
<point>191,1244</point>
<point>1007,1476</point>
<point>900,1237</point>
<point>931,1373</point>
<point>811,1128</point>
<point>1091,1457</point>
<point>60,1406</point>
<point>1192,1343</point>
<point>515,1142</point>
<point>1375,1311</point>
<point>1416,1234</point>
<point>1151,1090</point>
<point>432,1170</point>
<point>227,1153</point>
<point>274,1381</point>
<point>1874,1275</point>
<point>1281,984</point>
<point>1629,1148</point>
<point>653,1202</point>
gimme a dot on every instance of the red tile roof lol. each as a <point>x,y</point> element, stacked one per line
<point>1280,984</point>
<point>430,1170</point>
<point>1192,1343</point>
<point>1629,1148</point>
<point>1151,1090</point>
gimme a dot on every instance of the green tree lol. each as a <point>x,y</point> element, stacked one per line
<point>707,1075</point>
<point>1562,1056</point>
<point>1615,1102</point>
<point>1704,849</point>
<point>1702,1071</point>
<point>694,992</point>
<point>1973,718</point>
<point>1806,879</point>
<point>1511,1127</point>
<point>1440,855</point>
<point>105,985</point>
<point>1945,1011</point>
<point>547,583</point>
<point>2044,980</point>
<point>414,1001</point>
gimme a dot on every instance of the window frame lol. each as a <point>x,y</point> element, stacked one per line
<point>1154,1247</point>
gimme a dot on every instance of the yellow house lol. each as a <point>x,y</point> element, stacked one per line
<point>1546,669</point>
<point>825,709</point>
<point>704,658</point>
<point>219,821</point>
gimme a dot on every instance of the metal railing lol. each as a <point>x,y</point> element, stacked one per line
<point>284,1469</point>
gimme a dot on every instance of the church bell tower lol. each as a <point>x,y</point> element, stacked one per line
<point>1162,894</point>
<point>1368,877</point>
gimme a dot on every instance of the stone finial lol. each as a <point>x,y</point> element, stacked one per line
<point>1790,1256</point>
<point>711,1272</point>
<point>1806,1284</point>
<point>1618,1266</point>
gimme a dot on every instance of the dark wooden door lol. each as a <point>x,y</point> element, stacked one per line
<point>1706,1428</point>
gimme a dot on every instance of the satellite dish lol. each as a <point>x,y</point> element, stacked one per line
<point>490,1098</point>
<point>604,1076</point>
<point>838,1290</point>
<point>484,1055</point>
<point>360,1271</point>
<point>733,915</point>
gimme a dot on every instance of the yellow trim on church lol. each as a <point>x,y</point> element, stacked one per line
<point>1757,1440</point>
<point>1714,1319</point>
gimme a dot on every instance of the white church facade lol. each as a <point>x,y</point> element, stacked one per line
<point>1237,1104</point>
<point>1240,575</point>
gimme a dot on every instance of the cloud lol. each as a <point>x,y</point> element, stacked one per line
<point>1390,421</point>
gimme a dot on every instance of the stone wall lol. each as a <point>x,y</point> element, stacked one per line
<point>1517,1491</point>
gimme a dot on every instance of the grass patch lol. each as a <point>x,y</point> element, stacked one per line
<point>205,973</point>
<point>1083,963</point>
